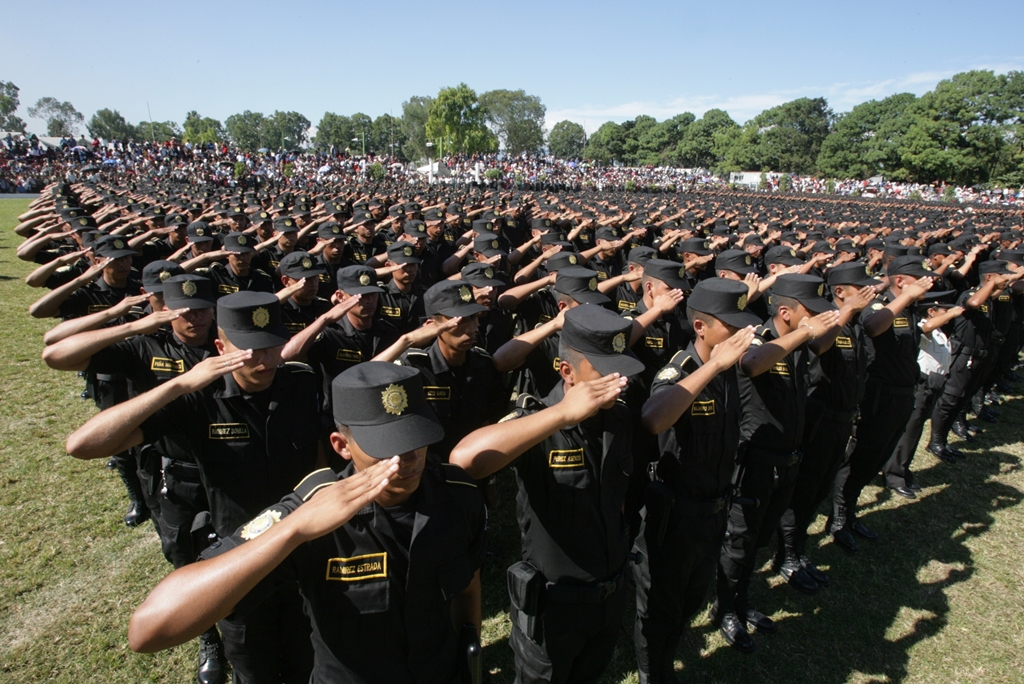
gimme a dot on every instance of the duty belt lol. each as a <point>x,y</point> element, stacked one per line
<point>975,353</point>
<point>584,593</point>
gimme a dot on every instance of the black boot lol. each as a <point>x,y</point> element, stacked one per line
<point>942,452</point>
<point>211,658</point>
<point>138,511</point>
<point>787,564</point>
<point>841,534</point>
<point>959,428</point>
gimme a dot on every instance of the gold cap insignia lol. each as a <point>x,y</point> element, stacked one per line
<point>200,232</point>
<point>547,222</point>
<point>307,263</point>
<point>682,271</point>
<point>667,373</point>
<point>592,284</point>
<point>619,343</point>
<point>395,399</point>
<point>746,260</point>
<point>364,279</point>
<point>260,524</point>
<point>407,251</point>
<point>118,244</point>
<point>241,239</point>
<point>489,272</point>
<point>289,223</point>
<point>164,275</point>
<point>867,271</point>
<point>741,303</point>
<point>188,288</point>
<point>821,289</point>
<point>494,244</point>
<point>926,266</point>
<point>335,229</point>
<point>572,259</point>
<point>83,222</point>
<point>489,225</point>
<point>465,295</point>
<point>260,317</point>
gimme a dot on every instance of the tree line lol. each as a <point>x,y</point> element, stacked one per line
<point>968,130</point>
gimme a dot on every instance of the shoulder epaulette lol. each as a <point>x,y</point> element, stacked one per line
<point>298,367</point>
<point>314,482</point>
<point>454,474</point>
<point>681,359</point>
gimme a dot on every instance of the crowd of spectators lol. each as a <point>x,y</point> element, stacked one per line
<point>28,163</point>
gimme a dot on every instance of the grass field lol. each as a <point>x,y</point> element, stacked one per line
<point>940,598</point>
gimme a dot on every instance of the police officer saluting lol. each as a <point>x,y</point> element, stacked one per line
<point>571,455</point>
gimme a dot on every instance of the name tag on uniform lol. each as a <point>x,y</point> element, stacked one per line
<point>434,393</point>
<point>391,311</point>
<point>324,278</point>
<point>702,408</point>
<point>780,368</point>
<point>353,355</point>
<point>226,289</point>
<point>358,568</point>
<point>983,308</point>
<point>229,431</point>
<point>96,308</point>
<point>625,306</point>
<point>162,365</point>
<point>556,363</point>
<point>900,322</point>
<point>844,343</point>
<point>295,327</point>
<point>654,342</point>
<point>1004,298</point>
<point>566,458</point>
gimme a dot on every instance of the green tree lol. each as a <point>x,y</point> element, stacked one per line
<point>110,125</point>
<point>459,120</point>
<point>202,129</point>
<point>567,140</point>
<point>516,118</point>
<point>285,130</point>
<point>698,148</point>
<point>246,130</point>
<point>866,141</point>
<point>606,144</point>
<point>333,129</point>
<point>388,136</point>
<point>415,112</point>
<point>9,103</point>
<point>158,131</point>
<point>658,143</point>
<point>362,128</point>
<point>784,138</point>
<point>62,119</point>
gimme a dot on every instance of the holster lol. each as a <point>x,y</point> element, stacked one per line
<point>202,532</point>
<point>526,591</point>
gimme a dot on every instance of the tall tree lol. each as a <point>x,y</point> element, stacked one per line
<point>108,124</point>
<point>516,118</point>
<point>388,136</point>
<point>415,112</point>
<point>459,121</point>
<point>866,141</point>
<point>362,126</point>
<point>158,131</point>
<point>333,130</point>
<point>62,119</point>
<point>657,144</point>
<point>9,103</point>
<point>246,130</point>
<point>202,129</point>
<point>606,144</point>
<point>567,140</point>
<point>286,131</point>
<point>697,148</point>
<point>784,138</point>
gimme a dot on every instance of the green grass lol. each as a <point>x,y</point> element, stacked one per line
<point>940,598</point>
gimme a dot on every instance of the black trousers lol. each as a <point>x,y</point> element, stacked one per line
<point>751,525</point>
<point>672,582</point>
<point>826,439</point>
<point>897,469</point>
<point>884,413</point>
<point>271,643</point>
<point>577,642</point>
<point>966,376</point>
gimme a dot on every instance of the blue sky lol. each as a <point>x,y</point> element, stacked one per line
<point>588,61</point>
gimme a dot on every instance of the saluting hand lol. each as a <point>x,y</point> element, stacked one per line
<point>668,301</point>
<point>209,369</point>
<point>333,506</point>
<point>819,324</point>
<point>729,353</point>
<point>919,288</point>
<point>584,399</point>
<point>156,320</point>
<point>859,299</point>
<point>426,333</point>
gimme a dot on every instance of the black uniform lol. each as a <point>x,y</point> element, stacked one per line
<point>378,590</point>
<point>226,282</point>
<point>772,429</point>
<point>296,317</point>
<point>685,511</point>
<point>329,278</point>
<point>568,593</point>
<point>403,310</point>
<point>339,346</point>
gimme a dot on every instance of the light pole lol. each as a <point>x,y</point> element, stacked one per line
<point>430,164</point>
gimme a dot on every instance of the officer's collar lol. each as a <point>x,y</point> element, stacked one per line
<point>438,363</point>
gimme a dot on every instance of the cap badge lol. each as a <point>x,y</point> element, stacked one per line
<point>260,524</point>
<point>746,260</point>
<point>619,343</point>
<point>926,266</point>
<point>164,275</point>
<point>241,239</point>
<point>494,244</point>
<point>307,263</point>
<point>260,317</point>
<point>407,251</point>
<point>821,289</point>
<point>464,294</point>
<point>83,222</point>
<point>335,229</point>
<point>200,232</point>
<point>592,284</point>
<point>741,303</point>
<point>682,271</point>
<point>489,272</point>
<point>792,252</point>
<point>395,399</point>
<point>572,258</point>
<point>188,288</point>
<point>867,271</point>
<point>118,244</point>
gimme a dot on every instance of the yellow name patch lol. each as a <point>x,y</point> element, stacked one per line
<point>226,289</point>
<point>1003,298</point>
<point>900,322</point>
<point>654,342</point>
<point>229,431</point>
<point>162,365</point>
<point>702,408</point>
<point>353,355</point>
<point>358,568</point>
<point>295,327</point>
<point>780,368</point>
<point>844,343</point>
<point>437,393</point>
<point>566,458</point>
<point>625,306</point>
<point>96,308</point>
<point>391,311</point>
<point>983,308</point>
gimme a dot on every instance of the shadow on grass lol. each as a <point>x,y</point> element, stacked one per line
<point>881,602</point>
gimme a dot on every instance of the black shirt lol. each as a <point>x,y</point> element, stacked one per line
<point>837,376</point>
<point>97,296</point>
<point>296,317</point>
<point>894,353</point>
<point>404,310</point>
<point>773,403</point>
<point>226,282</point>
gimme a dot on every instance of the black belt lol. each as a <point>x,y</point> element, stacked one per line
<point>775,458</point>
<point>975,353</point>
<point>180,469</point>
<point>584,593</point>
